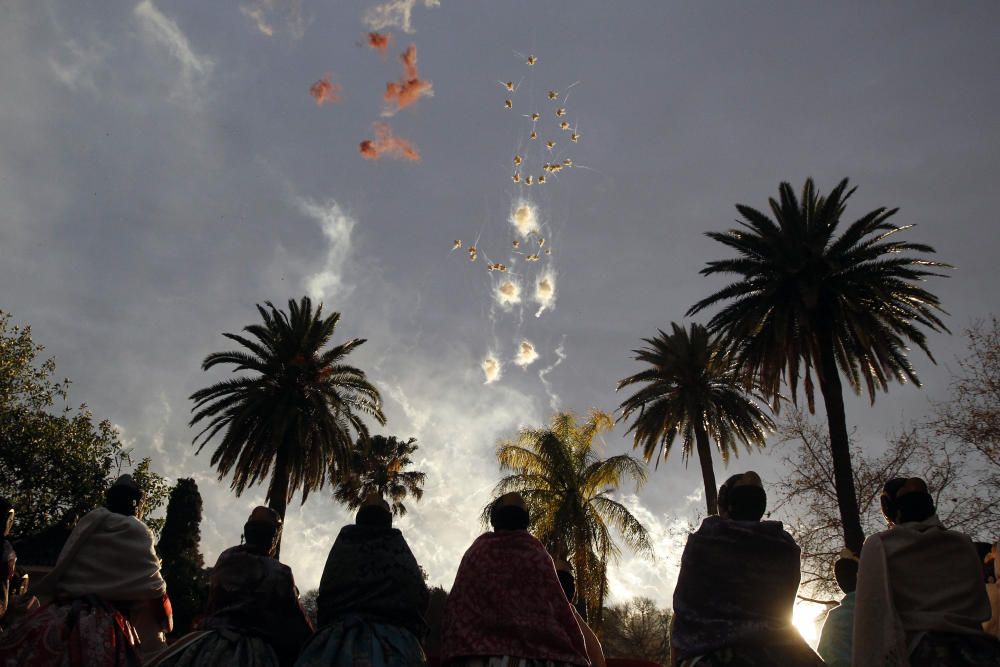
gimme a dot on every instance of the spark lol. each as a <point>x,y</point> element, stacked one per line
<point>526,354</point>
<point>550,144</point>
<point>518,160</point>
<point>535,116</point>
<point>574,137</point>
<point>515,244</point>
<point>509,85</point>
<point>473,253</point>
<point>564,125</point>
<point>516,177</point>
<point>528,180</point>
<point>560,112</point>
<point>553,95</point>
<point>541,179</point>
<point>533,135</point>
<point>456,244</point>
<point>532,60</point>
<point>508,104</point>
<point>324,91</point>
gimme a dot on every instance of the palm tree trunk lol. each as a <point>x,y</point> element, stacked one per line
<point>277,494</point>
<point>580,565</point>
<point>840,446</point>
<point>707,471</point>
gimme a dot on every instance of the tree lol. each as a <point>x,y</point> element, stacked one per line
<point>292,419</point>
<point>310,603</point>
<point>805,298</point>
<point>637,629</point>
<point>568,488</point>
<point>807,497</point>
<point>378,467</point>
<point>692,390</point>
<point>179,550</point>
<point>56,463</point>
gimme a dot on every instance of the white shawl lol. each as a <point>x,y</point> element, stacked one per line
<point>107,555</point>
<point>915,578</point>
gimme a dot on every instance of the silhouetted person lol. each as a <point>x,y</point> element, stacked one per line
<point>737,585</point>
<point>371,598</point>
<point>594,650</point>
<point>837,637</point>
<point>253,616</point>
<point>920,598</point>
<point>507,604</point>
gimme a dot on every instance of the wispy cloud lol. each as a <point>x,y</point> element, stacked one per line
<point>263,12</point>
<point>163,32</point>
<point>327,282</point>
<point>76,63</point>
<point>395,14</point>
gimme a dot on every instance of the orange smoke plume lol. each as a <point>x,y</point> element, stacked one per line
<point>387,144</point>
<point>324,91</point>
<point>380,41</point>
<point>410,88</point>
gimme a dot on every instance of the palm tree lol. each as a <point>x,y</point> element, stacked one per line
<point>804,298</point>
<point>377,466</point>
<point>692,390</point>
<point>568,488</point>
<point>293,418</point>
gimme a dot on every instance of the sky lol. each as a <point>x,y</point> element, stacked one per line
<point>163,168</point>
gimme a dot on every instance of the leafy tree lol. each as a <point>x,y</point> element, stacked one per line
<point>310,603</point>
<point>692,390</point>
<point>378,466</point>
<point>179,549</point>
<point>56,463</point>
<point>568,488</point>
<point>637,629</point>
<point>292,418</point>
<point>433,617</point>
<point>803,298</point>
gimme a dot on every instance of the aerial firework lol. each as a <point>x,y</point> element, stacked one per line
<point>545,292</point>
<point>401,94</point>
<point>380,42</point>
<point>526,354</point>
<point>491,369</point>
<point>524,217</point>
<point>508,292</point>
<point>324,91</point>
<point>387,144</point>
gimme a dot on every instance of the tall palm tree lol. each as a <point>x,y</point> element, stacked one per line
<point>292,418</point>
<point>378,466</point>
<point>692,390</point>
<point>806,301</point>
<point>568,488</point>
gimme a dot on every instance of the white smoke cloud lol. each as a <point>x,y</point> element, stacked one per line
<point>508,292</point>
<point>492,369</point>
<point>545,291</point>
<point>524,217</point>
<point>164,32</point>
<point>526,354</point>
<point>328,282</point>
<point>395,14</point>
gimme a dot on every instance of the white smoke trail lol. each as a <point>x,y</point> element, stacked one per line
<point>560,352</point>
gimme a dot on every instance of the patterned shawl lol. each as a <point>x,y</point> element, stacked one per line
<point>737,585</point>
<point>507,601</point>
<point>372,573</point>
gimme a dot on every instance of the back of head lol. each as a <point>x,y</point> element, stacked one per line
<point>565,573</point>
<point>742,497</point>
<point>845,569</point>
<point>374,513</point>
<point>124,496</point>
<point>906,500</point>
<point>262,529</point>
<point>509,512</point>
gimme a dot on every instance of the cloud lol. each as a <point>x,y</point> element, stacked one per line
<point>262,11</point>
<point>327,282</point>
<point>163,32</point>
<point>395,14</point>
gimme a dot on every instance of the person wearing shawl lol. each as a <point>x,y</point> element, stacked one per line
<point>737,584</point>
<point>594,649</point>
<point>507,607</point>
<point>992,580</point>
<point>920,598</point>
<point>371,598</point>
<point>106,600</point>
<point>253,617</point>
<point>838,631</point>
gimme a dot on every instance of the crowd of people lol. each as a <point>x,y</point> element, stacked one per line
<point>917,594</point>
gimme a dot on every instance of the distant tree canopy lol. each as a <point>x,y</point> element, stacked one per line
<point>179,550</point>
<point>637,629</point>
<point>378,466</point>
<point>55,463</point>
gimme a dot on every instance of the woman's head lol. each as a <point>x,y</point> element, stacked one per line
<point>906,500</point>
<point>374,513</point>
<point>262,530</point>
<point>566,579</point>
<point>124,496</point>
<point>742,497</point>
<point>509,512</point>
<point>845,570</point>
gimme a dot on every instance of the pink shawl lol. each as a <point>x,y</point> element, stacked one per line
<point>507,601</point>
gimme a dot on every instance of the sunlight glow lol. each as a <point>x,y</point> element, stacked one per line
<point>806,618</point>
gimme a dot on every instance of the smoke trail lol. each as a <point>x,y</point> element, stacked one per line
<point>560,352</point>
<point>401,94</point>
<point>395,14</point>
